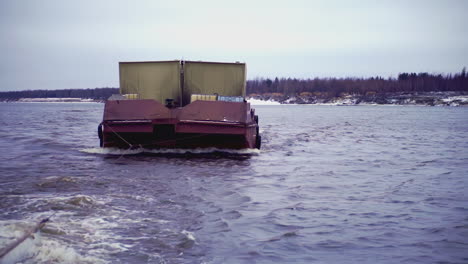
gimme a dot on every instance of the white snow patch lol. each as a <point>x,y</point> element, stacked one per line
<point>253,101</point>
<point>453,99</point>
<point>55,100</point>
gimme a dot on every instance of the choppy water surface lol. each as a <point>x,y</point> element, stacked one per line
<point>367,184</point>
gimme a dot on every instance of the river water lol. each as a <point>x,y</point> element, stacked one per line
<point>331,184</point>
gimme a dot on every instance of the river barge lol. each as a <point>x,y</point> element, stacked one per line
<point>180,104</point>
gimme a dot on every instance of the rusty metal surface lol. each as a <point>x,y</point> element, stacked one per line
<point>135,109</point>
<point>200,124</point>
<point>215,111</point>
<point>207,128</point>
<point>128,128</point>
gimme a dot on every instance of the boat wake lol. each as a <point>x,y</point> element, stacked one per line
<point>38,248</point>
<point>197,151</point>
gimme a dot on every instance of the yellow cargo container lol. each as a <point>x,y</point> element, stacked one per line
<point>203,97</point>
<point>226,79</point>
<point>179,80</point>
<point>158,80</point>
<point>131,96</point>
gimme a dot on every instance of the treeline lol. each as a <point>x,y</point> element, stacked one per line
<point>322,87</point>
<point>96,94</point>
<point>333,87</point>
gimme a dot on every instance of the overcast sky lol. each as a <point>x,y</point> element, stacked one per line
<point>48,44</point>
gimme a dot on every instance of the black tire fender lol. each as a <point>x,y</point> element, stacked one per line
<point>100,135</point>
<point>258,141</point>
<point>258,138</point>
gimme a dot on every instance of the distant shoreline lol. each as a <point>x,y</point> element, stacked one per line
<point>423,99</point>
<point>53,100</point>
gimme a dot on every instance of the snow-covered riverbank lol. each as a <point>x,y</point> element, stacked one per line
<point>429,99</point>
<point>54,100</point>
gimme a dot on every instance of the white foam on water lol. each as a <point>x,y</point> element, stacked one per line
<point>54,252</point>
<point>92,235</point>
<point>96,233</point>
<point>78,200</point>
<point>110,151</point>
<point>98,237</point>
<point>189,235</point>
<point>87,239</point>
<point>9,233</point>
<point>58,178</point>
<point>204,151</point>
<point>116,151</point>
<point>38,248</point>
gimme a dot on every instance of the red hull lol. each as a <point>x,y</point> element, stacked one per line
<point>201,124</point>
